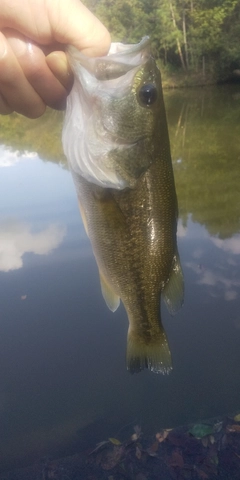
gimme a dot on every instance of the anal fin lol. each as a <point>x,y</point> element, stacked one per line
<point>173,293</point>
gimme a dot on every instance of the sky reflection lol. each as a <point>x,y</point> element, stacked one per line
<point>16,239</point>
<point>219,272</point>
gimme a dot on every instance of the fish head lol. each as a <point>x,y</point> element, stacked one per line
<point>111,127</point>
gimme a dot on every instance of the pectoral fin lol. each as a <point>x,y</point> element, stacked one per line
<point>112,300</point>
<point>83,216</point>
<point>173,292</point>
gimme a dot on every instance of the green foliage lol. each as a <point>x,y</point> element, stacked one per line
<point>204,127</point>
<point>42,135</point>
<point>199,36</point>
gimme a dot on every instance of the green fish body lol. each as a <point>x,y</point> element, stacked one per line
<point>132,225</point>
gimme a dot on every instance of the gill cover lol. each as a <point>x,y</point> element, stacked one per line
<point>86,142</point>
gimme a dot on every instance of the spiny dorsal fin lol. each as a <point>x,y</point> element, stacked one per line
<point>173,293</point>
<point>112,300</point>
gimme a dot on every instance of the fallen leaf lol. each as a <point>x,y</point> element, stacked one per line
<point>201,430</point>
<point>176,460</point>
<point>137,429</point>
<point>217,427</point>
<point>223,442</point>
<point>204,441</point>
<point>160,436</point>
<point>115,441</point>
<point>137,433</point>
<point>111,459</point>
<point>233,428</point>
<point>211,439</point>
<point>138,453</point>
<point>179,439</point>
<point>237,418</point>
<point>153,449</point>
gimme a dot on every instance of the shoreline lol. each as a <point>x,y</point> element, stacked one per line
<point>191,80</point>
<point>209,449</point>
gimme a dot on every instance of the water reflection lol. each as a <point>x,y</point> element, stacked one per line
<point>9,157</point>
<point>204,130</point>
<point>62,353</point>
<point>219,272</point>
<point>16,239</point>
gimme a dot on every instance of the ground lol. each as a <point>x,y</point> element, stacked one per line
<point>206,451</point>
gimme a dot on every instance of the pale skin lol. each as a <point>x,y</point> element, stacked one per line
<point>34,72</point>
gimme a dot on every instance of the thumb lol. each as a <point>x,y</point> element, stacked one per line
<point>72,23</point>
<point>59,66</point>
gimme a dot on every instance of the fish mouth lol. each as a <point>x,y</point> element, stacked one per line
<point>119,60</point>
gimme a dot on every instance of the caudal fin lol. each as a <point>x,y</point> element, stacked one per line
<point>153,354</point>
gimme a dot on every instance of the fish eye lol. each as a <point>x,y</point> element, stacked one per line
<point>147,94</point>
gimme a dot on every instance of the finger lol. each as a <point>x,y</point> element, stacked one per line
<point>4,107</point>
<point>64,21</point>
<point>58,64</point>
<point>16,91</point>
<point>33,63</point>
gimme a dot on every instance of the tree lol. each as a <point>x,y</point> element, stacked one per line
<point>188,34</point>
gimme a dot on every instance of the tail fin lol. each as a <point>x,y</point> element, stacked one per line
<point>153,354</point>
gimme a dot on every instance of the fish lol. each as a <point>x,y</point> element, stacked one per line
<point>115,137</point>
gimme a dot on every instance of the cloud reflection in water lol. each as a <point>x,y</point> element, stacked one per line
<point>231,245</point>
<point>220,273</point>
<point>16,239</point>
<point>10,157</point>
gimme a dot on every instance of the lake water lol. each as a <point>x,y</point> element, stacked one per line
<point>64,383</point>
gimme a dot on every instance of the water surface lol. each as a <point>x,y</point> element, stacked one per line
<point>62,352</point>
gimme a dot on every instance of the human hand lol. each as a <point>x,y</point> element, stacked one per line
<point>33,66</point>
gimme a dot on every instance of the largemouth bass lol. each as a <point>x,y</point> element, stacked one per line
<point>115,137</point>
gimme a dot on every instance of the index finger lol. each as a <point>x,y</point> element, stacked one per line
<point>64,21</point>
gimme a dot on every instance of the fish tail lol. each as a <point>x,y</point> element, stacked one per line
<point>153,353</point>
